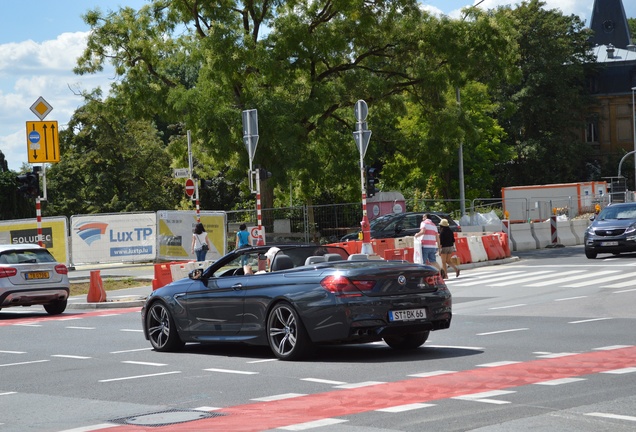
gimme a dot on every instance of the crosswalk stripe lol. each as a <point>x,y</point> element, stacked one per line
<point>560,281</point>
<point>480,281</point>
<point>603,281</point>
<point>542,275</point>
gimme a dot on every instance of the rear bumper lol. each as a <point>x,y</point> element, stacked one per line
<point>33,296</point>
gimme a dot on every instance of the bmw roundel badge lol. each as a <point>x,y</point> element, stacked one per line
<point>402,280</point>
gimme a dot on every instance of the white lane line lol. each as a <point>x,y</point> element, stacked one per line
<point>555,355</point>
<point>485,397</point>
<point>71,356</point>
<point>80,328</point>
<point>28,325</point>
<point>230,371</point>
<point>23,363</point>
<point>70,319</point>
<point>536,276</point>
<point>430,374</point>
<point>7,393</point>
<point>622,291</point>
<point>323,381</point>
<point>621,371</point>
<point>621,285</point>
<point>611,347</point>
<point>278,397</point>
<point>144,363</point>
<point>93,427</point>
<point>560,381</point>
<point>407,407</point>
<point>132,330</point>
<point>612,416</point>
<point>456,347</point>
<point>570,298</point>
<point>588,320</point>
<point>497,364</point>
<point>206,408</point>
<point>360,384</point>
<point>507,307</point>
<point>138,376</point>
<point>563,281</point>
<point>132,350</point>
<point>602,283</point>
<point>502,331</point>
<point>262,361</point>
<point>312,424</point>
<point>489,280</point>
<point>12,352</point>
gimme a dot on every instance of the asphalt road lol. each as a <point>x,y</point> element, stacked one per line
<point>542,344</point>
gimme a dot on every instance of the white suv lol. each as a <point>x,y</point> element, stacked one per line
<point>29,275</point>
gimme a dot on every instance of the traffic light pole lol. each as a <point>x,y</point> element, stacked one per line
<point>38,214</point>
<point>361,136</point>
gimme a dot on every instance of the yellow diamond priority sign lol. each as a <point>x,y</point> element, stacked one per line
<point>41,108</point>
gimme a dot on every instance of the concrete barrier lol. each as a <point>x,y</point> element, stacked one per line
<point>477,250</point>
<point>565,235</point>
<point>542,233</point>
<point>579,226</point>
<point>521,237</point>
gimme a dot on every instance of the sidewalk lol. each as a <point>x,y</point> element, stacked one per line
<point>136,297</point>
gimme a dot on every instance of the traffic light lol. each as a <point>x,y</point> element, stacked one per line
<point>372,180</point>
<point>263,174</point>
<point>29,185</point>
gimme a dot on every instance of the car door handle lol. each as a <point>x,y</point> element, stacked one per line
<point>237,287</point>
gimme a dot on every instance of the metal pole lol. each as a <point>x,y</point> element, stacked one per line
<point>634,120</point>
<point>462,195</point>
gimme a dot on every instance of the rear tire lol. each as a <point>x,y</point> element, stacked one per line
<point>162,332</point>
<point>590,254</point>
<point>407,341</point>
<point>56,307</point>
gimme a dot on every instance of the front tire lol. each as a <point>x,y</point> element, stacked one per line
<point>286,334</point>
<point>407,341</point>
<point>56,307</point>
<point>162,332</point>
<point>590,254</point>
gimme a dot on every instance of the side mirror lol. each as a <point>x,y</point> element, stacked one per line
<point>398,229</point>
<point>196,274</point>
<point>592,217</point>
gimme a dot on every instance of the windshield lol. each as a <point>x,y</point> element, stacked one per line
<point>381,222</point>
<point>616,212</point>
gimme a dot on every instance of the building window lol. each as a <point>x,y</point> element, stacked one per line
<point>591,130</point>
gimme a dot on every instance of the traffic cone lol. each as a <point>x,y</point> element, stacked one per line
<point>96,292</point>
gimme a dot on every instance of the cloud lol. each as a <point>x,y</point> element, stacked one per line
<point>29,70</point>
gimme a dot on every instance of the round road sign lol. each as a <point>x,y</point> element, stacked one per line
<point>190,187</point>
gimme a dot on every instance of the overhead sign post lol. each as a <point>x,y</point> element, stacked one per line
<point>362,136</point>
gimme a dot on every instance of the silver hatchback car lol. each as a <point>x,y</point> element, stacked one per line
<point>29,275</point>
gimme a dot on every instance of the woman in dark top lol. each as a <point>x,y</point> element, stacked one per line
<point>447,243</point>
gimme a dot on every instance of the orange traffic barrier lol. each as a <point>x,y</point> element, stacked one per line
<point>503,241</point>
<point>163,275</point>
<point>463,252</point>
<point>401,254</point>
<point>497,246</point>
<point>492,248</point>
<point>96,291</point>
<point>352,247</point>
<point>380,245</point>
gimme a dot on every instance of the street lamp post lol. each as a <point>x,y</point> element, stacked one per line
<point>634,131</point>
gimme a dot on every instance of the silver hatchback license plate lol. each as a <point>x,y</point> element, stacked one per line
<point>407,315</point>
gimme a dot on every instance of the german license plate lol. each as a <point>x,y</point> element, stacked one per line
<point>610,243</point>
<point>407,315</point>
<point>37,275</point>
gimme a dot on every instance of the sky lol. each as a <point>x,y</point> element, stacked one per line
<point>40,41</point>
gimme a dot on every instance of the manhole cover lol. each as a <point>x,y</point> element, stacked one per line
<point>165,418</point>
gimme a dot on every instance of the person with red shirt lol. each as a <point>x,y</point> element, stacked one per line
<point>429,238</point>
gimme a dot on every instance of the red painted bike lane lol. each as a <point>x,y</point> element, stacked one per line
<point>10,320</point>
<point>340,403</point>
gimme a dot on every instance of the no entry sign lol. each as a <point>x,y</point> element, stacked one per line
<point>190,187</point>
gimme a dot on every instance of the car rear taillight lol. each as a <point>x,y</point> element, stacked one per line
<point>435,280</point>
<point>344,287</point>
<point>61,269</point>
<point>7,272</point>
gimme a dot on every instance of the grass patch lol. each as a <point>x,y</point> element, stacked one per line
<point>80,288</point>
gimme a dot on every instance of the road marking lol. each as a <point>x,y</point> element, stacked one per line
<point>497,364</point>
<point>262,361</point>
<point>231,371</point>
<point>501,331</point>
<point>132,350</point>
<point>629,283</point>
<point>278,397</point>
<point>486,397</point>
<point>138,376</point>
<point>360,384</point>
<point>569,298</point>
<point>23,363</point>
<point>12,352</point>
<point>71,356</point>
<point>80,328</point>
<point>555,355</point>
<point>144,363</point>
<point>313,424</point>
<point>563,281</point>
<point>93,427</point>
<point>486,280</point>
<point>623,291</point>
<point>403,408</point>
<point>534,277</point>
<point>613,416</point>
<point>588,320</point>
<point>132,330</point>
<point>323,381</point>
<point>507,307</point>
<point>430,374</point>
<point>560,381</point>
<point>601,283</point>
<point>28,324</point>
<point>473,348</point>
<point>7,393</point>
<point>620,371</point>
<point>206,408</point>
<point>612,347</point>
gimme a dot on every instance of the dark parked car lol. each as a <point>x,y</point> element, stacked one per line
<point>613,231</point>
<point>29,275</point>
<point>312,295</point>
<point>402,225</point>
